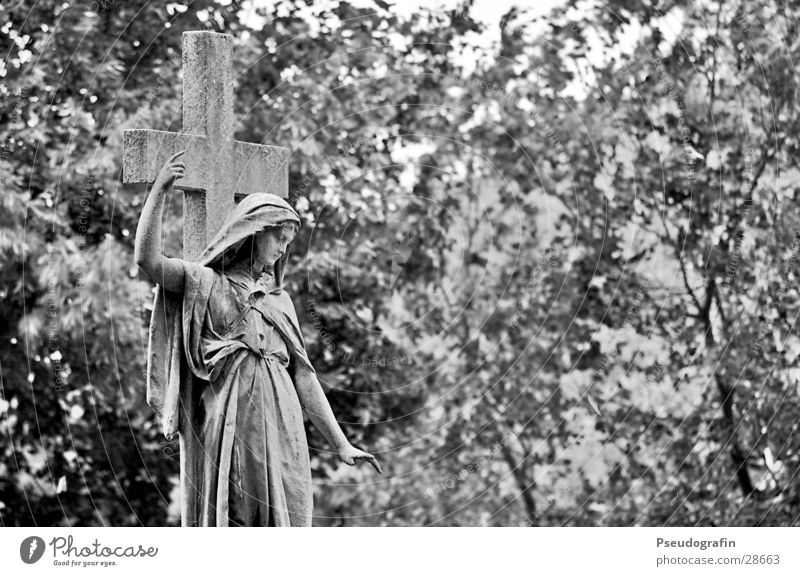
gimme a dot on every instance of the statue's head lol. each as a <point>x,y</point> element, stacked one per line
<point>261,226</point>
<point>266,247</point>
<point>271,244</point>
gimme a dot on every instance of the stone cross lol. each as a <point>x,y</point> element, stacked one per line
<point>217,167</point>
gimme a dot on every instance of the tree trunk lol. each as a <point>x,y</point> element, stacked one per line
<point>738,455</point>
<point>525,487</point>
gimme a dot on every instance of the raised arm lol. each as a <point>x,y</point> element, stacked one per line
<point>316,405</point>
<point>148,252</point>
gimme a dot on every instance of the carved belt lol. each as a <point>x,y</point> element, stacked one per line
<point>267,355</point>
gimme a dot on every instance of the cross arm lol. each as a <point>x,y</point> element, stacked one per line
<point>145,151</point>
<point>260,168</point>
<point>253,167</point>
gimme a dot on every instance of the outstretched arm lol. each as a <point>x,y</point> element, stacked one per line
<point>314,402</point>
<point>148,251</point>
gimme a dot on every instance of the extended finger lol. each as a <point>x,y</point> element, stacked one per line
<point>372,460</point>
<point>174,156</point>
<point>375,464</point>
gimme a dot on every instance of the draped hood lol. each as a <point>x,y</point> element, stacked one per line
<point>252,215</point>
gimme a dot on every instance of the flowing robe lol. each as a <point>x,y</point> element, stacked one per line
<point>244,454</point>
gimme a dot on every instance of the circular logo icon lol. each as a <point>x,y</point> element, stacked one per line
<point>31,550</point>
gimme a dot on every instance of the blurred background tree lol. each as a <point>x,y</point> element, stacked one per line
<point>549,280</point>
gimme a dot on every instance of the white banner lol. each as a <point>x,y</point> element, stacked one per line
<point>395,551</point>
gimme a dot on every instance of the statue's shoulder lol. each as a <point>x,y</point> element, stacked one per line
<point>195,268</point>
<point>286,297</point>
<point>199,278</point>
<point>288,305</point>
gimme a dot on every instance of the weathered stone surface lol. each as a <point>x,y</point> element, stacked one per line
<point>256,167</point>
<point>221,484</point>
<point>218,168</point>
<point>208,84</point>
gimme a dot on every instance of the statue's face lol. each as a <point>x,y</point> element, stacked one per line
<point>271,244</point>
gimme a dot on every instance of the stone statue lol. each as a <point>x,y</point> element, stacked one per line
<point>228,368</point>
